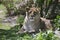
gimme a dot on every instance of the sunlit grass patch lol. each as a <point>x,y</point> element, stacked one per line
<point>5,27</point>
<point>3,10</point>
<point>17,0</point>
<point>2,7</point>
<point>20,19</point>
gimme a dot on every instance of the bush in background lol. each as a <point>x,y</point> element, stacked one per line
<point>57,22</point>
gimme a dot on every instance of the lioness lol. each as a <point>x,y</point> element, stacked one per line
<point>33,22</point>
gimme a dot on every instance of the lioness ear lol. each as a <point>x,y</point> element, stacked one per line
<point>38,10</point>
<point>27,8</point>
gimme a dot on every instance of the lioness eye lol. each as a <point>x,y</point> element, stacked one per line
<point>34,13</point>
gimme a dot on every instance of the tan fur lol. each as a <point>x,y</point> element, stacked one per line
<point>33,9</point>
<point>37,23</point>
<point>46,22</point>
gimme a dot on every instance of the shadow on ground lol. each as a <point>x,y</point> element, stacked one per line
<point>11,34</point>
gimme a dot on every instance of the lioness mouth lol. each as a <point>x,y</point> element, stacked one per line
<point>31,18</point>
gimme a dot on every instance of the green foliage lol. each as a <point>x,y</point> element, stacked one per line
<point>9,4</point>
<point>57,21</point>
<point>40,2</point>
<point>11,35</point>
<point>3,8</point>
<point>46,36</point>
<point>20,19</point>
<point>5,27</point>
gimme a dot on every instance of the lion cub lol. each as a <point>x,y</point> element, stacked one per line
<point>33,22</point>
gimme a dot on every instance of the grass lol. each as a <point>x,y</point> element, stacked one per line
<point>3,9</point>
<point>11,35</point>
<point>2,15</point>
<point>5,27</point>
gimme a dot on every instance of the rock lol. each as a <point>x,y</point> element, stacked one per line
<point>10,21</point>
<point>57,33</point>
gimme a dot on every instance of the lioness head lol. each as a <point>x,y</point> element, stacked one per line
<point>33,13</point>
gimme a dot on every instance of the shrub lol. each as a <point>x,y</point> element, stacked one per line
<point>46,36</point>
<point>57,22</point>
<point>20,19</point>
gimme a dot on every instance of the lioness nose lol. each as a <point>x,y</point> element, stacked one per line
<point>32,15</point>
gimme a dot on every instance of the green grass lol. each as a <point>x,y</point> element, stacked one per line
<point>2,15</point>
<point>2,7</point>
<point>11,35</point>
<point>5,27</point>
